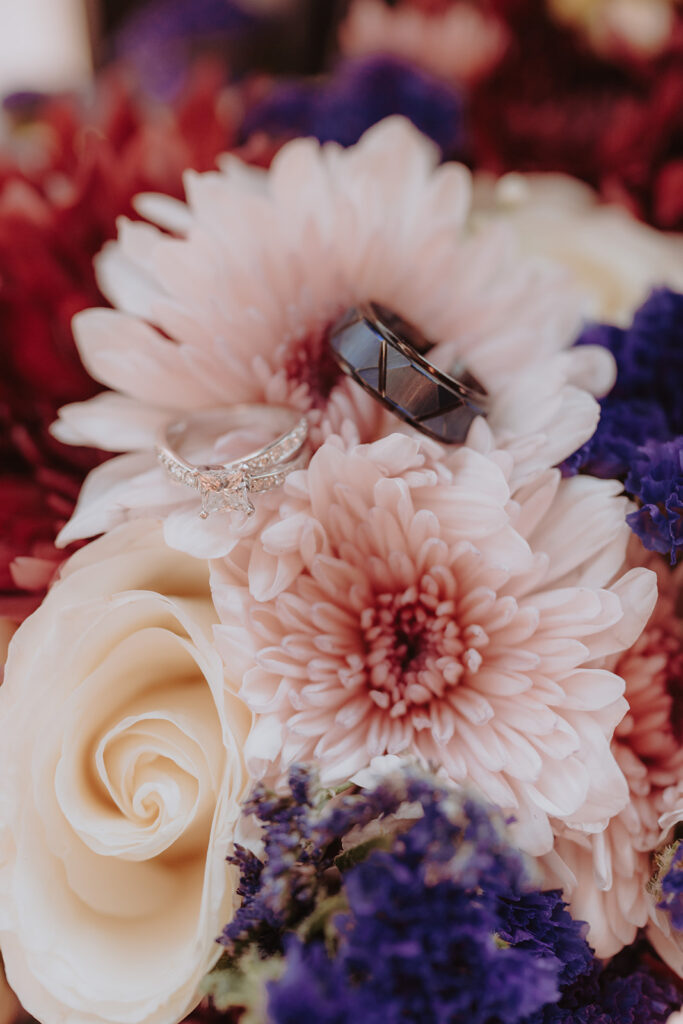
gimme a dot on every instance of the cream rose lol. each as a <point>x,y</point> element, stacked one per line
<point>613,258</point>
<point>121,760</point>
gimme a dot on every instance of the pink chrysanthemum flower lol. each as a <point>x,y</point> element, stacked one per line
<point>399,604</point>
<point>456,40</point>
<point>237,309</point>
<point>605,876</point>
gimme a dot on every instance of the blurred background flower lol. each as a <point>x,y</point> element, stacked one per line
<point>635,27</point>
<point>639,438</point>
<point>71,167</point>
<point>553,104</point>
<point>342,105</point>
<point>160,39</point>
<point>459,41</point>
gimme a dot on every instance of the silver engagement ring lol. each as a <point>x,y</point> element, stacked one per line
<point>228,485</point>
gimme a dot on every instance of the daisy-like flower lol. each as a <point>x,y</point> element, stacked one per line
<point>608,873</point>
<point>399,604</point>
<point>238,307</point>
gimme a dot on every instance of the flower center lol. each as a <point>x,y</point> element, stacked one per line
<point>309,361</point>
<point>415,648</point>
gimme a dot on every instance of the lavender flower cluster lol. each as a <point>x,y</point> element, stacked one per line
<point>639,438</point>
<point>407,901</point>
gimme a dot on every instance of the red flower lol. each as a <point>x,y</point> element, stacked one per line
<point>69,174</point>
<point>555,105</point>
<point>642,154</point>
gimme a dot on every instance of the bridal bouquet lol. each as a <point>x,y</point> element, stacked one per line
<point>342,540</point>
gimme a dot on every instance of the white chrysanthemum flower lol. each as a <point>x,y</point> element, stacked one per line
<point>238,306</point>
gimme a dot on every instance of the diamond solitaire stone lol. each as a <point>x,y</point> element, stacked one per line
<point>222,491</point>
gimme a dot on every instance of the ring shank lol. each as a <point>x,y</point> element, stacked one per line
<point>206,425</point>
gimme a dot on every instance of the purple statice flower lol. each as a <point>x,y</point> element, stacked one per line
<point>300,848</point>
<point>539,923</point>
<point>279,889</point>
<point>633,988</point>
<point>614,994</point>
<point>649,353</point>
<point>431,917</point>
<point>639,438</point>
<point>630,999</point>
<point>671,885</point>
<point>656,480</point>
<point>359,93</point>
<point>315,988</point>
<point>428,935</point>
<point>625,424</point>
<point>406,902</point>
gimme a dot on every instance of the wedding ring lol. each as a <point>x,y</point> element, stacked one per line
<point>386,355</point>
<point>228,485</point>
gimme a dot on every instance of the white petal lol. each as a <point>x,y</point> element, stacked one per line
<point>123,353</point>
<point>111,422</point>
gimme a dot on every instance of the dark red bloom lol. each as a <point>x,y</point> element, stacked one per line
<point>641,157</point>
<point>553,104</point>
<point>69,174</point>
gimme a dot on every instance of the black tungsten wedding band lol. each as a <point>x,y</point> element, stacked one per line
<point>386,355</point>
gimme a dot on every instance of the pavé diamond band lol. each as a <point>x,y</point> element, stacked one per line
<point>228,485</point>
<point>385,354</point>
